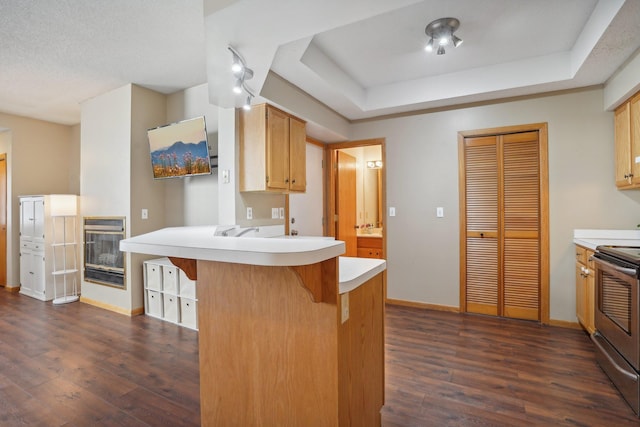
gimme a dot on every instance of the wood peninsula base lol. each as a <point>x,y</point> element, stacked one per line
<point>275,351</point>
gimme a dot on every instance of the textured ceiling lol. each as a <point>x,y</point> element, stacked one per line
<point>362,58</point>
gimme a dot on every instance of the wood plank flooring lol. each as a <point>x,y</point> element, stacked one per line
<point>78,365</point>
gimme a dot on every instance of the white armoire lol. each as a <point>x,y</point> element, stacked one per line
<point>36,247</point>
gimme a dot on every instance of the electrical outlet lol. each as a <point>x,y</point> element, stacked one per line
<point>145,214</point>
<point>274,213</point>
<point>281,213</point>
<point>249,213</point>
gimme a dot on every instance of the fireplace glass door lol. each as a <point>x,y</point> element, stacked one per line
<point>103,260</point>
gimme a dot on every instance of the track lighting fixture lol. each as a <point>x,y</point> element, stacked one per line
<point>441,30</point>
<point>242,73</point>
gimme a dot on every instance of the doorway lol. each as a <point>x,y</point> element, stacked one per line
<point>3,219</point>
<point>504,225</point>
<point>357,171</point>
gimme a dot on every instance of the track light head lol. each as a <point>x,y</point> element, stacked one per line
<point>247,104</point>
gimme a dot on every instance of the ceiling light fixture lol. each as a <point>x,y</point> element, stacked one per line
<point>242,73</point>
<point>442,30</point>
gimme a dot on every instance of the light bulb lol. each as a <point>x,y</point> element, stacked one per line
<point>236,67</point>
<point>247,104</point>
<point>429,46</point>
<point>237,88</point>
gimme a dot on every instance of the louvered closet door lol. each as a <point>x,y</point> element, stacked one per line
<point>521,225</point>
<point>501,273</point>
<point>481,181</point>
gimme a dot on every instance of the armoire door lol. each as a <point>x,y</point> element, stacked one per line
<point>503,213</point>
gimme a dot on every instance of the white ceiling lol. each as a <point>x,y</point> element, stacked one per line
<point>362,58</point>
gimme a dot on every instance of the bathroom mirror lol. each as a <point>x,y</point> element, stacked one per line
<point>368,191</point>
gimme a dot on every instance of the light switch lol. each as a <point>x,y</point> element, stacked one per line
<point>439,212</point>
<point>145,214</point>
<point>392,211</point>
<point>225,176</point>
<point>281,212</point>
<point>274,213</point>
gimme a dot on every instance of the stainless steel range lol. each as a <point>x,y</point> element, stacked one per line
<point>617,336</point>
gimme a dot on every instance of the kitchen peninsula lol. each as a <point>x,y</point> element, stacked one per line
<point>290,333</point>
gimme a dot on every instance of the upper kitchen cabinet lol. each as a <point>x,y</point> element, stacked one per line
<point>272,151</point>
<point>627,143</point>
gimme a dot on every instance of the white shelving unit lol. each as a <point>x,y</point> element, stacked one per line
<point>64,248</point>
<point>169,294</point>
<point>40,246</point>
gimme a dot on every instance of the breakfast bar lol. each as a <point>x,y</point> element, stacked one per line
<point>290,333</point>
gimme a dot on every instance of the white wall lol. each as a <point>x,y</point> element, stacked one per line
<point>105,175</point>
<point>422,173</point>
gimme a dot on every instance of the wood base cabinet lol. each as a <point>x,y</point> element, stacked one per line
<point>370,247</point>
<point>280,347</point>
<point>585,289</point>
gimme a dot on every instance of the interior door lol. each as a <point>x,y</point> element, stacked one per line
<point>346,202</point>
<point>503,212</point>
<point>3,220</point>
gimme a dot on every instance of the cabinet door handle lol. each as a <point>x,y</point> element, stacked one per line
<point>293,181</point>
<point>286,180</point>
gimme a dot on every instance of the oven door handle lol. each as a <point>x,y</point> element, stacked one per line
<point>627,271</point>
<point>630,375</point>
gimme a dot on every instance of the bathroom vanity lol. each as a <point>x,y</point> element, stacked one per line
<point>290,333</point>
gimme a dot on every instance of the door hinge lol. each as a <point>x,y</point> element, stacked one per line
<point>267,179</point>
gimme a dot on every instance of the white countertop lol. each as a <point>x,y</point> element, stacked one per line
<point>355,271</point>
<point>199,242</point>
<point>592,238</point>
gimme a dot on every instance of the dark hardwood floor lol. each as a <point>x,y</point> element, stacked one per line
<point>78,365</point>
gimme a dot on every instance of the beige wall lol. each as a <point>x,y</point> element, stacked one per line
<point>194,200</point>
<point>422,174</point>
<point>40,161</point>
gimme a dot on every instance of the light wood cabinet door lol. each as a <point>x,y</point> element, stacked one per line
<point>277,149</point>
<point>634,134</point>
<point>622,145</point>
<point>585,289</point>
<point>297,155</point>
<point>627,143</point>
